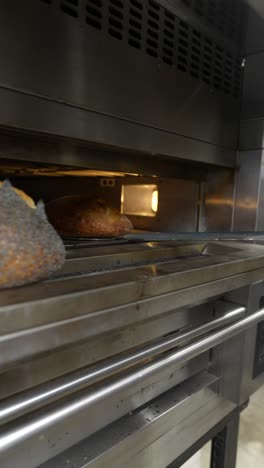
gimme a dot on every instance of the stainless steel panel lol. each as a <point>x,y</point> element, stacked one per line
<point>20,404</point>
<point>81,308</point>
<point>154,436</point>
<point>14,406</point>
<point>225,21</point>
<point>46,432</point>
<point>249,384</point>
<point>59,119</point>
<point>71,415</point>
<point>166,100</point>
<point>24,345</point>
<point>197,237</point>
<point>251,134</point>
<point>88,258</point>
<point>215,260</point>
<point>255,35</point>
<point>247,191</point>
<point>65,360</point>
<point>253,95</point>
<point>260,212</point>
<point>217,195</point>
<point>238,382</point>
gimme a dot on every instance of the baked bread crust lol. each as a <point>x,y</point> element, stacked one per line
<point>22,194</point>
<point>30,249</point>
<point>77,215</point>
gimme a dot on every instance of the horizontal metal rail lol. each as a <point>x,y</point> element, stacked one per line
<point>43,423</point>
<point>195,236</point>
<point>43,394</point>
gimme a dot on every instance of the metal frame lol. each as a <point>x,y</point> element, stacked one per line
<point>224,443</point>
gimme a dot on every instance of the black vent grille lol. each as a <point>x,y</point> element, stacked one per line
<point>152,29</point>
<point>70,7</point>
<point>135,24</point>
<point>227,16</point>
<point>116,18</point>
<point>94,13</point>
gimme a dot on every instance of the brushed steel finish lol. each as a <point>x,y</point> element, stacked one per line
<point>89,259</point>
<point>253,96</point>
<point>118,107</point>
<point>119,135</point>
<point>174,420</point>
<point>249,193</point>
<point>254,41</point>
<point>107,407</point>
<point>23,376</point>
<point>62,312</point>
<point>242,235</point>
<point>246,203</point>
<point>19,404</point>
<point>24,345</point>
<point>72,413</point>
<point>252,136</point>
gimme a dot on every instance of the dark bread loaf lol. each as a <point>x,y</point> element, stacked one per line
<point>78,215</point>
<point>30,249</point>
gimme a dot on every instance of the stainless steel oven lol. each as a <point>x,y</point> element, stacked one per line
<point>141,349</point>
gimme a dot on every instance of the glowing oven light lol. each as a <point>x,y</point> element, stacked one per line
<point>155,201</point>
<point>140,199</point>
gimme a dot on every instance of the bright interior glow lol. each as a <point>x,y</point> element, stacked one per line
<point>155,201</point>
<point>139,200</point>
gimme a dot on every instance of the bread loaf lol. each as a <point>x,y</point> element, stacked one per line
<point>22,195</point>
<point>30,249</point>
<point>78,215</point>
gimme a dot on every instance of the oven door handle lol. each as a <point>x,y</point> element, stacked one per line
<point>31,399</point>
<point>106,393</point>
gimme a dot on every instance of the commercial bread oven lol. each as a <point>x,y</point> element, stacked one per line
<point>142,348</point>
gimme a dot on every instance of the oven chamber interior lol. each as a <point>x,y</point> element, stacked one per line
<point>185,198</point>
<point>161,113</point>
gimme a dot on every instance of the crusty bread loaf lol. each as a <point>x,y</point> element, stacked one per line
<point>23,195</point>
<point>30,249</point>
<point>78,215</point>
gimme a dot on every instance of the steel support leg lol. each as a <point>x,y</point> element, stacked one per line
<point>224,445</point>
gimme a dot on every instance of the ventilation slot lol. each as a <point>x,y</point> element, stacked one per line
<point>115,19</point>
<point>226,16</point>
<point>156,31</point>
<point>183,47</point>
<point>70,7</point>
<point>168,38</point>
<point>153,28</point>
<point>94,13</point>
<point>135,26</point>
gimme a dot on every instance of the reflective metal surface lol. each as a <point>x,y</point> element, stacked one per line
<point>114,315</point>
<point>73,413</point>
<point>27,401</point>
<point>161,114</point>
<point>98,352</point>
<point>247,212</point>
<point>61,312</point>
<point>181,415</point>
<point>50,430</point>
